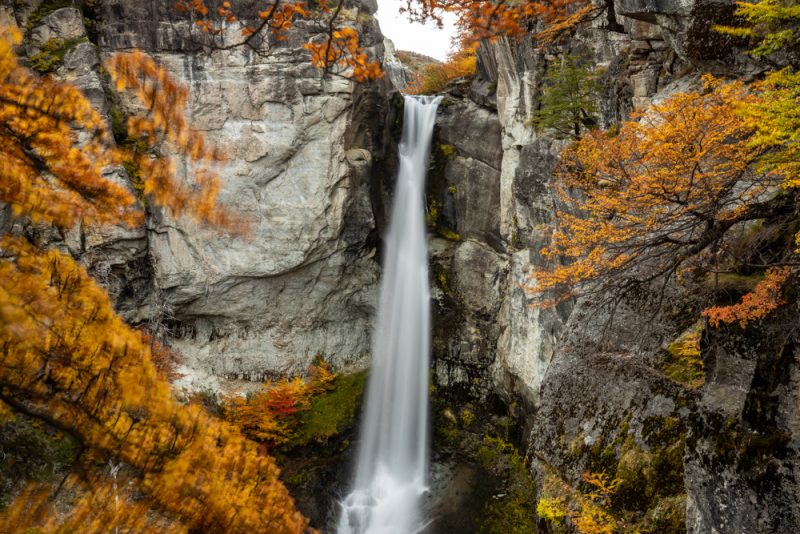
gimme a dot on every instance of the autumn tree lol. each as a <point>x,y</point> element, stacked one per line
<point>660,197</point>
<point>336,48</point>
<point>545,21</point>
<point>771,24</point>
<point>67,358</point>
<point>434,77</point>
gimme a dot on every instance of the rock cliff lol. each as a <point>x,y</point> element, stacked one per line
<point>594,395</point>
<point>302,152</point>
<point>311,168</point>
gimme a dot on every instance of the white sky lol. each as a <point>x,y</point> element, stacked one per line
<point>425,39</point>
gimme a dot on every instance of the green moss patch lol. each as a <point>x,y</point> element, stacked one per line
<point>650,494</point>
<point>32,451</point>
<point>448,234</point>
<point>44,9</point>
<point>448,150</point>
<point>331,413</point>
<point>684,363</point>
<point>51,56</point>
<point>512,511</point>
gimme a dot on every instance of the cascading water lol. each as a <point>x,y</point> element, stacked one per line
<point>393,456</point>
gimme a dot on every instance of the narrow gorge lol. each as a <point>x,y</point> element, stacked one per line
<point>537,414</point>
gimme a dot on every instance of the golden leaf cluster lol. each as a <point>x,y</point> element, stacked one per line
<point>656,193</point>
<point>589,511</point>
<point>67,358</point>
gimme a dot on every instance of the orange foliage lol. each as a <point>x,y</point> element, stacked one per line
<point>277,18</point>
<point>165,124</point>
<point>337,48</point>
<point>489,19</point>
<point>67,358</point>
<point>765,297</point>
<point>644,202</point>
<point>341,49</point>
<point>41,121</point>
<point>107,507</point>
<point>592,515</point>
<point>70,358</point>
<point>435,76</point>
<point>270,414</point>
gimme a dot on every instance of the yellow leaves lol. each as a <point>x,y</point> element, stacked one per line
<point>108,507</point>
<point>772,23</point>
<point>66,354</point>
<point>775,118</point>
<point>589,512</point>
<point>165,123</point>
<point>641,200</point>
<point>99,382</point>
<point>47,175</point>
<point>50,177</point>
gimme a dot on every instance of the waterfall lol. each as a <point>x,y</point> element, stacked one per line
<point>392,460</point>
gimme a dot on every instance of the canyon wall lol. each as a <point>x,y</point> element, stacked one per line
<point>302,152</point>
<point>312,168</point>
<point>597,392</point>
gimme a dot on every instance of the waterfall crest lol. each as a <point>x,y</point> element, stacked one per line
<point>392,460</point>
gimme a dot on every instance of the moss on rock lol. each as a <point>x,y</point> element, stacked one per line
<point>51,56</point>
<point>332,412</point>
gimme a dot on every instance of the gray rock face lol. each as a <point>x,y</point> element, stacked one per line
<point>65,23</point>
<point>596,394</point>
<point>399,74</point>
<point>742,459</point>
<point>302,281</point>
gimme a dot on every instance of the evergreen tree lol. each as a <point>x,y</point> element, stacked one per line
<point>568,98</point>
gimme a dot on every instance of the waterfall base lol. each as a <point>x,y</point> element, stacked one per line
<point>385,507</point>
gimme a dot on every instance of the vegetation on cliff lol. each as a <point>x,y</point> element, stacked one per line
<point>68,359</point>
<point>664,196</point>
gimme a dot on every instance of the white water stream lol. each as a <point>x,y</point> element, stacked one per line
<point>392,463</point>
